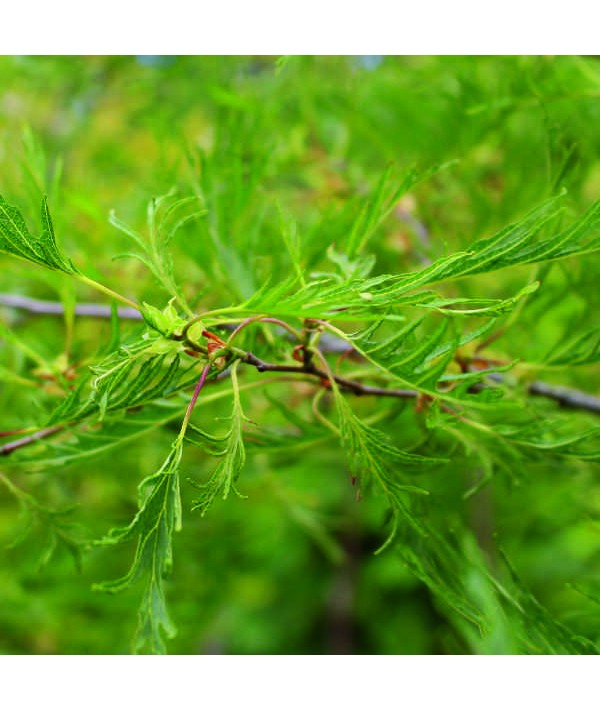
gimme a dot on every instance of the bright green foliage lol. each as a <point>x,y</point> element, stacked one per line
<point>124,381</point>
<point>516,244</point>
<point>158,517</point>
<point>16,239</point>
<point>583,350</point>
<point>233,456</point>
<point>371,455</point>
<point>165,218</point>
<point>57,529</point>
<point>385,197</point>
<point>372,298</point>
<point>166,322</point>
<point>382,266</point>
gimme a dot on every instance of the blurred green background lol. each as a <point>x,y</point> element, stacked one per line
<point>291,569</point>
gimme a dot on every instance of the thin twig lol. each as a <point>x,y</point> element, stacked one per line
<point>261,319</point>
<point>352,385</point>
<point>565,397</point>
<point>55,308</point>
<point>29,439</point>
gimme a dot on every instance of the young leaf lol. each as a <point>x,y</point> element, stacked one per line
<point>223,479</point>
<point>159,516</point>
<point>155,254</point>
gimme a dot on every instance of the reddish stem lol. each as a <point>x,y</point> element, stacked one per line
<point>11,433</point>
<point>262,319</point>
<point>24,441</point>
<point>197,389</point>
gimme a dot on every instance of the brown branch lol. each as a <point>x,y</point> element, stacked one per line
<point>309,369</point>
<point>29,439</point>
<point>565,397</point>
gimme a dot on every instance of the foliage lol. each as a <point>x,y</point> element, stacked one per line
<point>343,309</point>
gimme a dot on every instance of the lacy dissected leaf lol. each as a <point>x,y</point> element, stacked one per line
<point>495,615</point>
<point>373,458</point>
<point>519,243</point>
<point>434,558</point>
<point>158,517</point>
<point>223,479</point>
<point>459,580</point>
<point>84,443</point>
<point>418,354</point>
<point>553,437</point>
<point>440,564</point>
<point>215,445</point>
<point>165,217</point>
<point>479,307</point>
<point>54,527</point>
<point>542,632</point>
<point>124,380</point>
<point>377,298</point>
<point>425,363</point>
<point>16,239</point>
<point>584,349</point>
<point>329,296</point>
<point>137,383</point>
<point>383,200</point>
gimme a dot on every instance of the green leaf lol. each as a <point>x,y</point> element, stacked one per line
<point>166,322</point>
<point>163,225</point>
<point>437,560</point>
<point>553,437</point>
<point>53,526</point>
<point>382,202</point>
<point>373,458</point>
<point>479,307</point>
<point>358,268</point>
<point>543,633</point>
<point>223,479</point>
<point>376,298</point>
<point>583,349</point>
<point>15,239</point>
<point>131,377</point>
<point>158,517</point>
<point>84,443</point>
<point>519,243</point>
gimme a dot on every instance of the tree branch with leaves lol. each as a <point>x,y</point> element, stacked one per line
<point>398,337</point>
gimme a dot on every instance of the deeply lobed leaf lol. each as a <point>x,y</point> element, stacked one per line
<point>158,517</point>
